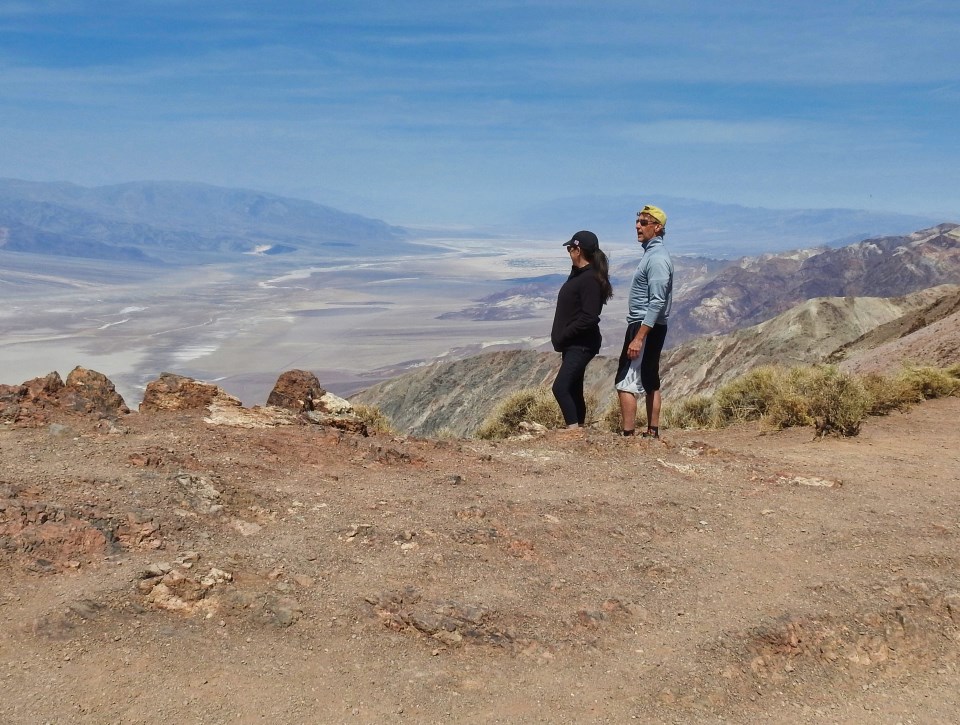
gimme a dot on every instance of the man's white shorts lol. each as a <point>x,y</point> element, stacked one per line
<point>631,380</point>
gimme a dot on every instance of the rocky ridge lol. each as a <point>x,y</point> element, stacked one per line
<point>756,289</point>
<point>297,398</point>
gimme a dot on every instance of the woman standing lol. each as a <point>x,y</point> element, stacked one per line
<point>576,323</point>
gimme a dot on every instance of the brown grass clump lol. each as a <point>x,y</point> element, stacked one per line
<point>887,394</point>
<point>838,402</point>
<point>374,418</point>
<point>697,411</point>
<point>524,406</point>
<point>749,396</point>
<point>832,401</point>
<point>790,409</point>
<point>610,419</point>
<point>928,382</point>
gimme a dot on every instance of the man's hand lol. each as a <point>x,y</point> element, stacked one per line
<point>635,348</point>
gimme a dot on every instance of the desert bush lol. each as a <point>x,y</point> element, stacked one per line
<point>928,382</point>
<point>819,395</point>
<point>788,405</point>
<point>531,406</point>
<point>838,402</point>
<point>374,418</point>
<point>748,396</point>
<point>696,411</point>
<point>788,409</point>
<point>886,393</point>
<point>804,379</point>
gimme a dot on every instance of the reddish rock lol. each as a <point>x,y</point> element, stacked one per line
<point>176,392</point>
<point>90,392</point>
<point>86,392</point>
<point>10,396</point>
<point>44,388</point>
<point>299,391</point>
<point>296,390</point>
<point>45,540</point>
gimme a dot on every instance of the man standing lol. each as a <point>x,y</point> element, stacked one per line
<point>648,309</point>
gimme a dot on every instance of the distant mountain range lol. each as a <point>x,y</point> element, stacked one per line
<point>755,289</point>
<point>714,296</point>
<point>179,223</point>
<point>713,229</point>
<point>184,223</point>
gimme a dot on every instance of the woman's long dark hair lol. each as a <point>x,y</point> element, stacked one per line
<point>601,270</point>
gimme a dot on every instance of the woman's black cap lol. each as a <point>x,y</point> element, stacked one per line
<point>587,241</point>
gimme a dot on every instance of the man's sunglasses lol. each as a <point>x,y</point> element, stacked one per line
<point>646,222</point>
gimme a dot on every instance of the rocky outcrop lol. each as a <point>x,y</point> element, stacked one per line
<point>176,392</point>
<point>296,390</point>
<point>36,402</point>
<point>298,399</point>
<point>89,392</point>
<point>299,392</point>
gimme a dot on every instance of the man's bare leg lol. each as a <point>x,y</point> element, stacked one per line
<point>653,409</point>
<point>628,410</point>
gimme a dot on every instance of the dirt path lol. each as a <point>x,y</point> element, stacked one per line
<point>180,572</point>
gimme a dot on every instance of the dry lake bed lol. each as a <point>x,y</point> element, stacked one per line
<point>351,321</point>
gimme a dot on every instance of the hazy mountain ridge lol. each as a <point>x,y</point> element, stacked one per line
<point>814,331</point>
<point>718,296</point>
<point>716,229</point>
<point>755,289</point>
<point>168,220</point>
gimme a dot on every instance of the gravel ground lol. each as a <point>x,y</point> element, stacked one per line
<point>171,570</point>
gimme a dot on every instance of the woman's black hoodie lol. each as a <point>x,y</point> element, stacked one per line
<point>577,319</point>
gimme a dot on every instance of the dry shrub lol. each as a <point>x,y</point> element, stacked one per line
<point>928,382</point>
<point>805,379</point>
<point>821,395</point>
<point>839,402</point>
<point>374,418</point>
<point>524,406</point>
<point>887,394</point>
<point>749,396</point>
<point>788,409</point>
<point>696,411</point>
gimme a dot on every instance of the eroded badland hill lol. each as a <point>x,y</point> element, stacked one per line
<point>167,569</point>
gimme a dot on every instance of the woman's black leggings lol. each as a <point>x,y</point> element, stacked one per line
<point>568,387</point>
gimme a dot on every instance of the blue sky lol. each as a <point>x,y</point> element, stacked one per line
<point>430,112</point>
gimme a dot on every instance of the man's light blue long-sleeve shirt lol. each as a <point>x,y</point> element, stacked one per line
<point>651,292</point>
